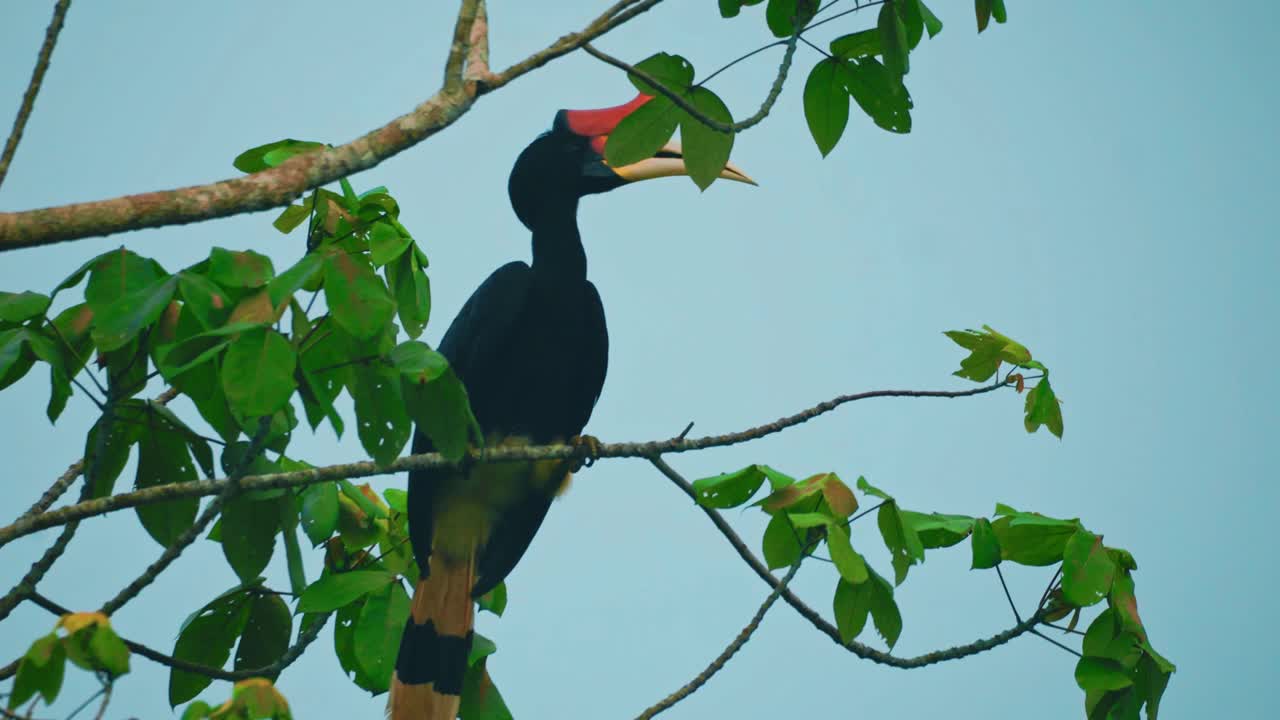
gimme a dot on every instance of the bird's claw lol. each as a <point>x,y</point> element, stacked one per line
<point>591,444</point>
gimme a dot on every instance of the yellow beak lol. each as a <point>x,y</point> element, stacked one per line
<point>670,162</point>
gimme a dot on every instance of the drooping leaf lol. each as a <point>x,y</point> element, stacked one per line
<point>412,290</point>
<point>880,94</point>
<point>163,458</point>
<point>257,372</point>
<point>901,540</point>
<point>358,300</point>
<point>1093,673</point>
<point>480,698</point>
<point>1043,408</point>
<point>850,564</point>
<point>381,420</point>
<point>937,530</point>
<point>249,535</point>
<point>641,134</point>
<point>206,639</point>
<point>782,544</point>
<point>386,243</point>
<point>378,631</point>
<point>931,21</point>
<point>706,150</point>
<point>105,457</point>
<point>40,671</point>
<point>266,632</point>
<point>291,217</point>
<point>1087,569</point>
<point>986,546</point>
<point>884,609</point>
<point>826,103</point>
<point>340,589</point>
<point>301,274</point>
<point>851,605</point>
<point>893,39</point>
<point>494,601</point>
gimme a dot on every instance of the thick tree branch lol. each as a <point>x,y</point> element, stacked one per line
<point>865,652</point>
<point>311,476</point>
<point>33,88</point>
<point>279,186</point>
<point>292,654</point>
<point>462,41</point>
<point>723,658</point>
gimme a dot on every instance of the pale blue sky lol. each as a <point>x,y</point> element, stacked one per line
<point>1094,179</point>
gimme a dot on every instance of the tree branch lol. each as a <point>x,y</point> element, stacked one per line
<point>281,185</point>
<point>33,88</point>
<point>27,585</point>
<point>292,654</point>
<point>865,652</point>
<point>716,665</point>
<point>311,476</point>
<point>462,41</point>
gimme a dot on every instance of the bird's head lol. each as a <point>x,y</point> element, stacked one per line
<point>567,162</point>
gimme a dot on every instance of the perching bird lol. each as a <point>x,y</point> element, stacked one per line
<point>531,347</point>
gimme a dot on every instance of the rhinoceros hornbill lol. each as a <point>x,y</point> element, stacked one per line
<point>530,345</point>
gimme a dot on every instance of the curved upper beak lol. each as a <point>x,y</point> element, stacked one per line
<point>668,162</point>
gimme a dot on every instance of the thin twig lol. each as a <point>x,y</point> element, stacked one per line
<point>33,88</point>
<point>27,584</point>
<point>106,699</point>
<point>311,476</point>
<point>1041,635</point>
<point>1007,595</point>
<point>863,651</point>
<point>723,658</point>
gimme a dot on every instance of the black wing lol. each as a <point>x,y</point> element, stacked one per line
<point>477,331</point>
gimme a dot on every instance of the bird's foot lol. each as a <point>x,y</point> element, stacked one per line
<point>589,445</point>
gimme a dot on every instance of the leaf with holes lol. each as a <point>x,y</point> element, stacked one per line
<point>729,489</point>
<point>673,71</point>
<point>378,631</point>
<point>880,94</point>
<point>1087,569</point>
<point>381,421</point>
<point>893,39</point>
<point>442,411</point>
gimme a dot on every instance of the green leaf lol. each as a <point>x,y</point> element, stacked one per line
<point>1043,408</point>
<point>357,298</point>
<point>257,372</point>
<point>292,550</point>
<point>378,631</point>
<point>15,360</point>
<point>480,698</point>
<point>1093,673</point>
<point>1150,681</point>
<point>20,307</point>
<point>937,530</point>
<point>209,303</point>
<point>998,11</point>
<point>386,243</point>
<point>284,285</point>
<point>901,540</point>
<point>642,134</point>
<point>806,520</point>
<point>884,610</point>
<point>121,321</point>
<point>74,278</point>
<point>1124,604</point>
<point>983,10</point>
<point>729,489</point>
<point>986,546</point>
<point>706,150</point>
<point>108,652</point>
<point>381,420</point>
<point>266,632</point>
<point>1032,539</point>
<point>863,43</point>
<point>239,269</point>
<point>872,490</point>
<point>249,535</point>
<point>827,488</point>
<point>1087,569</point>
<point>931,21</point>
<point>880,94</point>
<point>673,71</point>
<point>851,566</point>
<point>987,349</point>
<point>417,362</point>
<point>163,459</point>
<point>340,589</point>
<point>206,640</point>
<point>851,605</point>
<point>784,17</point>
<point>495,601</point>
<point>116,274</point>
<point>291,218</point>
<point>441,410</point>
<point>826,103</point>
<point>893,39</point>
<point>781,543</point>
<point>730,8</point>
<point>319,508</point>
<point>272,154</point>
<point>105,459</point>
<point>412,290</point>
<point>481,648</point>
<point>40,671</point>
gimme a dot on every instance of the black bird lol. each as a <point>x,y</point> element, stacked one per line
<point>532,348</point>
